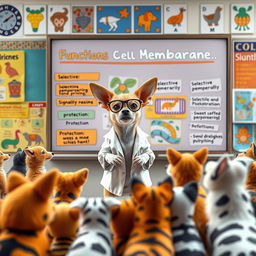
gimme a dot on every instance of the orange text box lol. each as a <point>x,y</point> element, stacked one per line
<point>244,70</point>
<point>76,76</point>
<point>77,90</point>
<point>76,102</point>
<point>76,137</point>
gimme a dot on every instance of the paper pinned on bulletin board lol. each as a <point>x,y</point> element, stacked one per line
<point>24,124</point>
<point>12,76</point>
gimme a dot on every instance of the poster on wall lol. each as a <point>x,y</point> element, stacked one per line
<point>243,136</point>
<point>175,18</point>
<point>244,65</point>
<point>35,19</point>
<point>114,19</point>
<point>22,124</point>
<point>186,112</point>
<point>83,19</point>
<point>242,18</point>
<point>212,18</point>
<point>244,106</point>
<point>12,76</point>
<point>147,19</point>
<point>59,19</point>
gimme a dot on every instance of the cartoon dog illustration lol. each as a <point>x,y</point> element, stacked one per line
<point>111,21</point>
<point>146,20</point>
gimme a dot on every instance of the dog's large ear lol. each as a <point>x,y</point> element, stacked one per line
<point>146,91</point>
<point>101,94</point>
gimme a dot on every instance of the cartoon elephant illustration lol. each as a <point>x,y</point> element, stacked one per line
<point>146,19</point>
<point>30,137</point>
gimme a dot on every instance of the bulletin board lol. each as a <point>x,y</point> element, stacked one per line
<point>191,107</point>
<point>23,94</point>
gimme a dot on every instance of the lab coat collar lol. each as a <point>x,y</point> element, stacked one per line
<point>139,141</point>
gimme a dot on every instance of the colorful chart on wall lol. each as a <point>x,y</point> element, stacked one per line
<point>22,124</point>
<point>244,106</point>
<point>244,65</point>
<point>189,108</point>
<point>12,76</point>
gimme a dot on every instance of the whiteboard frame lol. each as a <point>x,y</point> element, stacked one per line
<point>92,154</point>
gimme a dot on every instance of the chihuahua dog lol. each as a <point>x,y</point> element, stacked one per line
<point>3,158</point>
<point>126,151</point>
<point>19,162</point>
<point>35,159</point>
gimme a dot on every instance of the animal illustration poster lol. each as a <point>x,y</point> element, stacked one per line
<point>35,19</point>
<point>147,19</point>
<point>59,19</point>
<point>165,132</point>
<point>123,85</point>
<point>114,19</point>
<point>243,136</point>
<point>242,18</point>
<point>23,124</point>
<point>212,18</point>
<point>12,76</point>
<point>83,19</point>
<point>244,106</point>
<point>175,18</point>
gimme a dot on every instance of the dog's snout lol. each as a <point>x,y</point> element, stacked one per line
<point>125,112</point>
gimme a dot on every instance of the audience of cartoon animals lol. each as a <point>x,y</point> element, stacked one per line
<point>177,19</point>
<point>213,18</point>
<point>113,21</point>
<point>243,135</point>
<point>242,18</point>
<point>35,16</point>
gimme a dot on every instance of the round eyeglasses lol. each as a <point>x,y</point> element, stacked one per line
<point>117,105</point>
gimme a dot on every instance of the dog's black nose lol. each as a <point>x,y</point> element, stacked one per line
<point>125,112</point>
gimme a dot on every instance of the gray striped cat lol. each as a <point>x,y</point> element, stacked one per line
<point>94,236</point>
<point>186,239</point>
<point>232,227</point>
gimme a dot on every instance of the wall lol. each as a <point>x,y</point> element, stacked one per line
<point>93,187</point>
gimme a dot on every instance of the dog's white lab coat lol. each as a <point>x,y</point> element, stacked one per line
<point>114,176</point>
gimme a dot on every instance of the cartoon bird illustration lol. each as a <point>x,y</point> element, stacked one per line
<point>10,70</point>
<point>213,19</point>
<point>176,19</point>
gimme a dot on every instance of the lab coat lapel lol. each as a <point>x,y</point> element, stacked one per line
<point>115,141</point>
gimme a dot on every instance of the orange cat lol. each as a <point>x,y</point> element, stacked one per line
<point>25,212</point>
<point>122,224</point>
<point>189,167</point>
<point>3,158</point>
<point>250,152</point>
<point>69,185</point>
<point>35,160</point>
<point>63,228</point>
<point>151,233</point>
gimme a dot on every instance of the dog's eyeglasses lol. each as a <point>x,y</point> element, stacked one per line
<point>117,105</point>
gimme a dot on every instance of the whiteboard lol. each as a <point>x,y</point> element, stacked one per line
<point>189,110</point>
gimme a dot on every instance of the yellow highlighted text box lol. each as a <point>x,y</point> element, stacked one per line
<point>76,102</point>
<point>14,110</point>
<point>76,76</point>
<point>76,137</point>
<point>77,90</point>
